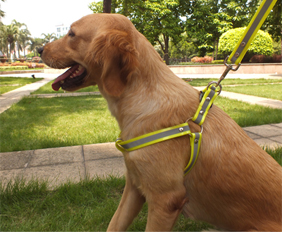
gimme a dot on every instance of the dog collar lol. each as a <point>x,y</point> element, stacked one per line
<point>207,97</point>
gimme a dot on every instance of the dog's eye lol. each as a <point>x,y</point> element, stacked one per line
<point>71,33</point>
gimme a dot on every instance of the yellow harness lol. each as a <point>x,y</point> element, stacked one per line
<point>208,96</point>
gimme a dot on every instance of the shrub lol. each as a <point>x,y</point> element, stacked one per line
<point>261,44</point>
<point>266,59</point>
<point>206,59</point>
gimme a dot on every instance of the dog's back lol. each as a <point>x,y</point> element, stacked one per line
<point>235,184</point>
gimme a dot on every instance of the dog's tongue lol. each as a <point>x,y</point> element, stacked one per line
<point>56,85</point>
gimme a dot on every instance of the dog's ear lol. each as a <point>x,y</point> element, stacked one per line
<point>116,53</point>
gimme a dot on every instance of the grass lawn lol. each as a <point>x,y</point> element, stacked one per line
<point>47,89</point>
<point>10,83</point>
<point>272,91</point>
<point>85,206</point>
<point>235,81</point>
<point>36,123</point>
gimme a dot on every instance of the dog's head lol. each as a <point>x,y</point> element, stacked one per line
<point>99,49</point>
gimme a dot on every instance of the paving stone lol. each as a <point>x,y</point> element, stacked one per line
<point>56,174</point>
<point>265,130</point>
<point>15,160</point>
<point>105,167</point>
<point>267,143</point>
<point>61,155</point>
<point>100,151</point>
<point>7,176</point>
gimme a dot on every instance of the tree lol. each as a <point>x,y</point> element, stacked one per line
<point>152,18</point>
<point>21,33</point>
<point>3,39</point>
<point>107,6</point>
<point>48,38</point>
<point>34,43</point>
<point>2,13</point>
<point>24,39</point>
<point>12,33</point>
<point>261,44</point>
<point>205,23</point>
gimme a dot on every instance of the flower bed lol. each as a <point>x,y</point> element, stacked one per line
<point>20,66</point>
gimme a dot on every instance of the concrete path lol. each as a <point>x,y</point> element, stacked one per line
<point>75,163</point>
<point>58,165</point>
<point>12,97</point>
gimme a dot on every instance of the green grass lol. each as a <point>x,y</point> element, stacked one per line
<point>272,91</point>
<point>84,206</point>
<point>36,123</point>
<point>10,83</point>
<point>235,81</point>
<point>47,89</point>
<point>54,122</point>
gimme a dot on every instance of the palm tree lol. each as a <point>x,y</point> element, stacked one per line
<point>24,39</point>
<point>12,33</point>
<point>3,39</point>
<point>22,32</point>
<point>48,37</point>
<point>34,43</point>
<point>2,13</point>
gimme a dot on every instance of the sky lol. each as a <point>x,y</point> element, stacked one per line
<point>42,16</point>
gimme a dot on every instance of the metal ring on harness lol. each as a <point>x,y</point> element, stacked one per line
<point>202,128</point>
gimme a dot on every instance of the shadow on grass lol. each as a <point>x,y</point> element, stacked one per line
<point>36,123</point>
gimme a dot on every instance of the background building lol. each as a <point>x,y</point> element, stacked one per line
<point>61,30</point>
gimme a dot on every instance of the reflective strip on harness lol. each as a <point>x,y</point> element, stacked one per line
<point>195,141</point>
<point>210,93</point>
<point>250,32</point>
<point>153,137</point>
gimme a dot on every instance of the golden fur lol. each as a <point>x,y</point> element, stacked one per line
<point>234,185</point>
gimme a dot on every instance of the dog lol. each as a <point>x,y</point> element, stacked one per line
<point>234,185</point>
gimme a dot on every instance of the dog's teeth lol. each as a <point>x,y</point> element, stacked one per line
<point>71,76</point>
<point>62,82</point>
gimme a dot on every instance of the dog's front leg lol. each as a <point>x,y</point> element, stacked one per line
<point>129,206</point>
<point>164,209</point>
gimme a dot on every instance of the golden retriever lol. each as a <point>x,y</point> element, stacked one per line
<point>234,185</point>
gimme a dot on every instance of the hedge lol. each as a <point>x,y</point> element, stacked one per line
<point>261,44</point>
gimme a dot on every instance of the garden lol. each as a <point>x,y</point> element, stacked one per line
<point>20,64</point>
<point>183,33</point>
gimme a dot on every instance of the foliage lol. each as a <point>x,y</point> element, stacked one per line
<point>152,18</point>
<point>48,38</point>
<point>261,44</point>
<point>273,22</point>
<point>205,23</point>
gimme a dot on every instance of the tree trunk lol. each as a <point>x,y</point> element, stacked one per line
<point>216,49</point>
<point>107,6</point>
<point>166,56</point>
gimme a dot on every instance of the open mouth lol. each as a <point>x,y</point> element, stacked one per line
<point>70,79</point>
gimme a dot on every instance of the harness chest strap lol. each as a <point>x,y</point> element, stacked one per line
<point>210,94</point>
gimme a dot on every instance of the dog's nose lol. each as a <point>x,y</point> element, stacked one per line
<point>40,50</point>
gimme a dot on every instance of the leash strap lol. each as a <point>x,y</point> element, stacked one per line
<point>250,32</point>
